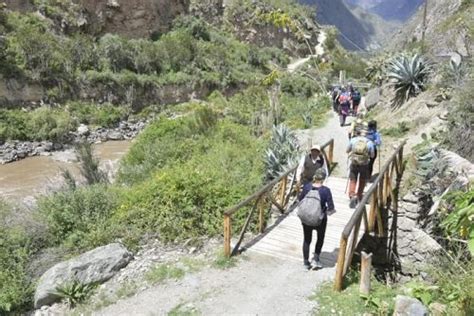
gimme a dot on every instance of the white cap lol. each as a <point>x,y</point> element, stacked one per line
<point>316,147</point>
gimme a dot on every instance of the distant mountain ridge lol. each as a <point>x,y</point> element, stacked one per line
<point>392,10</point>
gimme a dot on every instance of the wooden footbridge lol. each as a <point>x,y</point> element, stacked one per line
<point>283,239</point>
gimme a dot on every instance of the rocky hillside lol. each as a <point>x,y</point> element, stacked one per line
<point>143,18</point>
<point>359,29</point>
<point>449,28</point>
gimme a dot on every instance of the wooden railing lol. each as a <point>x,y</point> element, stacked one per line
<point>277,193</point>
<point>383,195</point>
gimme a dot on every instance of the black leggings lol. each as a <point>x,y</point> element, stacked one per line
<point>371,163</point>
<point>308,236</point>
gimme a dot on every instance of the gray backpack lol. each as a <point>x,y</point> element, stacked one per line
<point>309,209</point>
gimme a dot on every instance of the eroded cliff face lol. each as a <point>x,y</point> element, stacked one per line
<point>138,18</point>
<point>132,19</point>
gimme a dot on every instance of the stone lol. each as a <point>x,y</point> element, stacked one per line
<point>410,198</point>
<point>83,130</point>
<point>114,135</point>
<point>95,266</point>
<point>408,306</point>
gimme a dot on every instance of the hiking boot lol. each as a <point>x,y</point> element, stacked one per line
<point>316,263</point>
<point>307,265</point>
<point>353,202</point>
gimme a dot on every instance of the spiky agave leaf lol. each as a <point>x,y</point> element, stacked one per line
<point>408,75</point>
<point>282,152</point>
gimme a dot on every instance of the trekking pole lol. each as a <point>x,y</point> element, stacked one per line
<point>348,163</point>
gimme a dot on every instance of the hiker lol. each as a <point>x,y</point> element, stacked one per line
<point>344,106</point>
<point>356,98</point>
<point>358,124</point>
<point>335,96</point>
<point>361,150</point>
<point>315,206</point>
<point>374,136</point>
<point>308,165</point>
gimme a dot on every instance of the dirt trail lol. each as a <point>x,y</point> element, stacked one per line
<point>257,285</point>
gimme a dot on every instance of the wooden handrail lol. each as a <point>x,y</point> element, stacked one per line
<point>378,193</point>
<point>280,199</point>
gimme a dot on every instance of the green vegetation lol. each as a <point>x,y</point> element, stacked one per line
<point>461,122</point>
<point>74,292</point>
<point>163,272</point>
<point>408,75</point>
<point>400,130</point>
<point>16,247</point>
<point>183,310</point>
<point>458,217</point>
<point>351,302</point>
<point>282,153</point>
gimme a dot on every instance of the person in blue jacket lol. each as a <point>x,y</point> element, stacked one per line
<point>327,207</point>
<point>374,136</point>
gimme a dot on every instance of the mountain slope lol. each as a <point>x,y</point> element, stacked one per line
<point>395,10</point>
<point>359,30</point>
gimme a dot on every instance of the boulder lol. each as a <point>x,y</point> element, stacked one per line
<point>95,266</point>
<point>408,306</point>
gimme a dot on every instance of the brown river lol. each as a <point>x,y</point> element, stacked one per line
<point>24,179</point>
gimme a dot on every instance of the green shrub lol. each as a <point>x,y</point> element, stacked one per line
<point>49,124</point>
<point>72,214</point>
<point>185,198</point>
<point>459,220</point>
<point>106,115</point>
<point>13,125</point>
<point>15,250</point>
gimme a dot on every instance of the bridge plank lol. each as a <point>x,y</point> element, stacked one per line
<point>285,240</point>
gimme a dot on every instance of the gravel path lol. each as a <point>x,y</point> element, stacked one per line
<point>257,285</point>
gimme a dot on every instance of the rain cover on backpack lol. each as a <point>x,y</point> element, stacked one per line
<point>309,209</point>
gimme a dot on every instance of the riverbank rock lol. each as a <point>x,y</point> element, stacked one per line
<point>95,266</point>
<point>408,306</point>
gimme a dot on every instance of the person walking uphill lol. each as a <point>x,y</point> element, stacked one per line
<point>313,209</point>
<point>374,136</point>
<point>360,150</point>
<point>308,165</point>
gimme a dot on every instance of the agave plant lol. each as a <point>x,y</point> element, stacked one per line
<point>408,74</point>
<point>282,152</point>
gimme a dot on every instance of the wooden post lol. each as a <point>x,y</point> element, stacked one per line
<point>340,264</point>
<point>355,236</point>
<point>261,215</point>
<point>373,210</point>
<point>365,272</point>
<point>331,154</point>
<point>227,235</point>
<point>283,191</point>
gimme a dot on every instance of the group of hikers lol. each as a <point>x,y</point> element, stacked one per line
<point>345,101</point>
<point>315,199</point>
